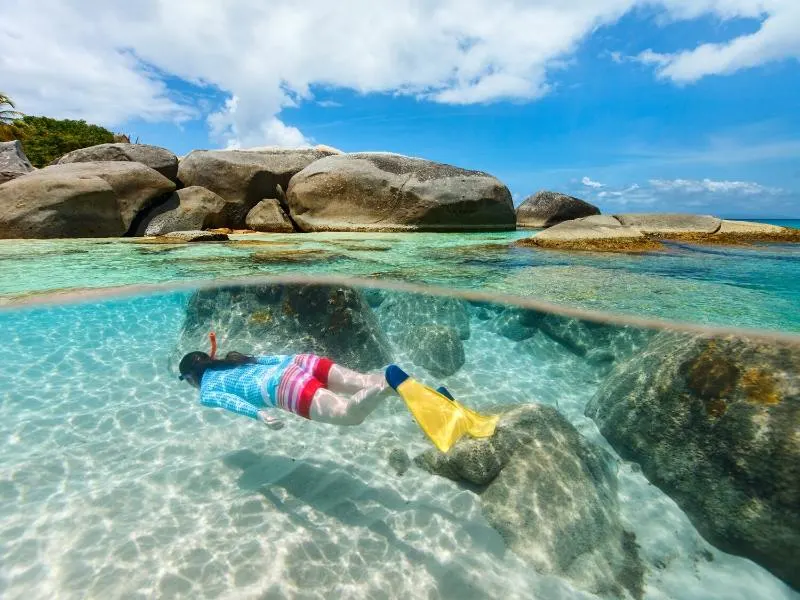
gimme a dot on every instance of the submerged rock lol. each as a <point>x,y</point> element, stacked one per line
<point>552,495</point>
<point>158,159</point>
<point>401,310</point>
<point>597,342</point>
<point>245,177</point>
<point>545,209</point>
<point>268,216</point>
<point>517,324</point>
<point>438,348</point>
<point>190,208</point>
<point>399,460</point>
<point>715,423</point>
<point>93,199</point>
<point>331,321</point>
<point>13,162</point>
<point>389,192</point>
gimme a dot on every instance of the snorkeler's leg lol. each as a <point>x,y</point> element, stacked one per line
<point>346,381</point>
<point>336,409</point>
<point>337,378</point>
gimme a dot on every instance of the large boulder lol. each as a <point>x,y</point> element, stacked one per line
<point>13,162</point>
<point>269,217</point>
<point>189,208</point>
<point>245,177</point>
<point>552,495</point>
<point>545,209</point>
<point>438,348</point>
<point>100,199</point>
<point>715,423</point>
<point>390,192</point>
<point>158,159</point>
<point>332,321</point>
<point>596,234</point>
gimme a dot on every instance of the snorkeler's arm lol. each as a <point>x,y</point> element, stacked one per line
<point>271,359</point>
<point>229,402</point>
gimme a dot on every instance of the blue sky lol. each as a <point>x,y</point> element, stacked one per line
<point>635,106</point>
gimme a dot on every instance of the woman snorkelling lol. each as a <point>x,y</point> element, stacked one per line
<point>305,384</point>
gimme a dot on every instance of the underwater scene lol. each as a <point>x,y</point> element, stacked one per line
<point>597,459</point>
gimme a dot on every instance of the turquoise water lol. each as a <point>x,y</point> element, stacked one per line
<point>115,483</point>
<point>755,286</point>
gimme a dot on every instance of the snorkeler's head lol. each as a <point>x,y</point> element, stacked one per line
<point>195,364</point>
<point>192,367</point>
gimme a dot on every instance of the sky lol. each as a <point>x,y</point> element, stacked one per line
<point>633,105</point>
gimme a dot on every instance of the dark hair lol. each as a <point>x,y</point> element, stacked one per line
<point>195,364</point>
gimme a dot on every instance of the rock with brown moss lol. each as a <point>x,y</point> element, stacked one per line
<point>595,233</point>
<point>715,423</point>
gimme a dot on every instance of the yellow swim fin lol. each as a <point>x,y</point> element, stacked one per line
<point>442,419</point>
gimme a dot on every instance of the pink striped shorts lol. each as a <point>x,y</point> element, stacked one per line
<point>300,381</point>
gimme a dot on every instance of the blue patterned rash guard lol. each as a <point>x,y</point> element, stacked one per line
<point>247,388</point>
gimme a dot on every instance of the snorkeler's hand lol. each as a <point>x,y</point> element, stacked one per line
<point>270,421</point>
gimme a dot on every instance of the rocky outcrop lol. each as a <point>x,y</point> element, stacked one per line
<point>663,225</point>
<point>390,192</point>
<point>715,423</point>
<point>243,178</point>
<point>545,209</point>
<point>331,321</point>
<point>190,208</point>
<point>437,348</point>
<point>268,216</point>
<point>552,495</point>
<point>643,232</point>
<point>100,199</point>
<point>13,162</point>
<point>158,159</point>
<point>597,233</point>
<point>194,236</point>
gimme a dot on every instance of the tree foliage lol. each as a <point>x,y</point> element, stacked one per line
<point>8,116</point>
<point>45,139</point>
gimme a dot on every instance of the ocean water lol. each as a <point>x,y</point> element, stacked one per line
<point>116,483</point>
<point>750,286</point>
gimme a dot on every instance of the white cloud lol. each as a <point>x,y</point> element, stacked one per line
<point>695,186</point>
<point>107,61</point>
<point>776,39</point>
<point>592,184</point>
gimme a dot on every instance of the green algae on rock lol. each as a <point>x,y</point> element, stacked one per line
<point>715,423</point>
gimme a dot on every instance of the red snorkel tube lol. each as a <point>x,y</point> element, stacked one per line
<point>212,337</point>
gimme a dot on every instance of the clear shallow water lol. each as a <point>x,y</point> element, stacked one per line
<point>116,483</point>
<point>757,286</point>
